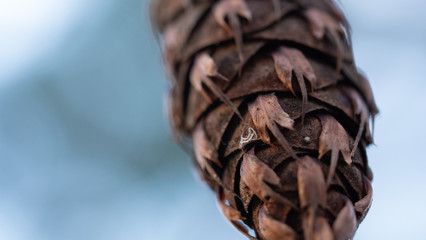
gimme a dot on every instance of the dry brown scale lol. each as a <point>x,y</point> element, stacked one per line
<point>279,116</point>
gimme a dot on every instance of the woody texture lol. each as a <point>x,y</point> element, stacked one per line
<point>267,94</point>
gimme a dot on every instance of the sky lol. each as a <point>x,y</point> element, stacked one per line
<point>85,147</point>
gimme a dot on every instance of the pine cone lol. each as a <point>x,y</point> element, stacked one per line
<point>279,115</point>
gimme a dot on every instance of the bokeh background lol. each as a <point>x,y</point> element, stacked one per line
<point>85,147</point>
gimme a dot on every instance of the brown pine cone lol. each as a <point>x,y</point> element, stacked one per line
<point>279,115</point>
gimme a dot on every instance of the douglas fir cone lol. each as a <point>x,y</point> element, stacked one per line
<point>269,94</point>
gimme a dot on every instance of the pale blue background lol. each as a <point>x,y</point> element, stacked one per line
<point>85,149</point>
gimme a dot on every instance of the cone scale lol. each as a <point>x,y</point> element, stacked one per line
<point>278,115</point>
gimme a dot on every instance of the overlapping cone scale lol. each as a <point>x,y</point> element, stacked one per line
<point>278,114</point>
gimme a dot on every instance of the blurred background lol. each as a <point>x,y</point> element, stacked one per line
<point>85,147</point>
